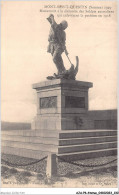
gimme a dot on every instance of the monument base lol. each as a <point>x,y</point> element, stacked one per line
<point>63,127</point>
<point>62,105</point>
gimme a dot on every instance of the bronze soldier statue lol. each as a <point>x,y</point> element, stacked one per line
<point>56,47</point>
<point>57,38</point>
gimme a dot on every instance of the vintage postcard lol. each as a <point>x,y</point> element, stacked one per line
<point>59,94</point>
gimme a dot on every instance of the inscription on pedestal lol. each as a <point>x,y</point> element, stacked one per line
<point>74,102</point>
<point>48,102</point>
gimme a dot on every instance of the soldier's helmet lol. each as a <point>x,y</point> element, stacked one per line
<point>64,24</point>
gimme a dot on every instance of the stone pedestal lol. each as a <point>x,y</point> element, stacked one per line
<point>62,105</point>
<point>63,127</point>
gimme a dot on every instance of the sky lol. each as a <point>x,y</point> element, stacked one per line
<point>24,57</point>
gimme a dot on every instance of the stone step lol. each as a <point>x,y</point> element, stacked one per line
<point>60,149</point>
<point>86,147</point>
<point>35,133</point>
<point>34,139</point>
<point>86,140</point>
<point>60,142</point>
<point>62,134</point>
<point>32,146</point>
<point>88,154</point>
<point>85,133</point>
<point>14,132</point>
<point>67,156</point>
<point>23,152</point>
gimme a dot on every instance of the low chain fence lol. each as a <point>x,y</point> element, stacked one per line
<point>85,165</point>
<point>21,165</point>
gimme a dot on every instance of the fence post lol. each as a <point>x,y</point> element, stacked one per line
<point>51,169</point>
